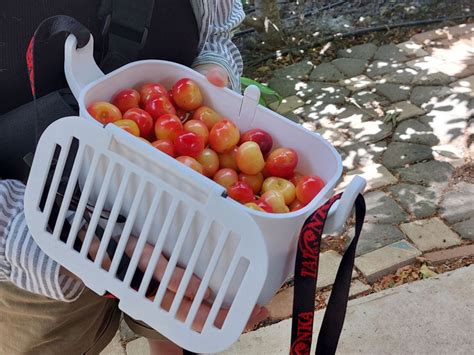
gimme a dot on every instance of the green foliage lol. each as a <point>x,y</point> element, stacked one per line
<point>264,90</point>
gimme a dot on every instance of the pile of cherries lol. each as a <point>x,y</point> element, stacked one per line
<point>177,123</point>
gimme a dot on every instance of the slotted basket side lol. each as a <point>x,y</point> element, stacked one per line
<point>209,236</point>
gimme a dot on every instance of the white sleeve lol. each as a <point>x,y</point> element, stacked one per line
<point>22,262</point>
<point>218,48</point>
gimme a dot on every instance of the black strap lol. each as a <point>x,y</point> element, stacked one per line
<point>48,28</point>
<point>126,25</point>
<point>306,273</point>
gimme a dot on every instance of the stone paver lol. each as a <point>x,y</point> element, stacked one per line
<point>288,104</point>
<point>399,76</point>
<point>363,155</point>
<point>358,288</point>
<point>432,316</point>
<point>370,131</point>
<point>400,154</point>
<point>425,94</point>
<point>298,70</point>
<point>332,135</point>
<point>414,131</point>
<point>431,173</point>
<point>328,93</point>
<point>293,117</point>
<point>420,95</point>
<point>431,79</point>
<point>430,234</point>
<point>440,256</point>
<point>412,49</point>
<point>328,263</point>
<point>350,66</point>
<point>356,83</point>
<point>383,209</point>
<point>464,86</point>
<point>289,87</point>
<point>445,32</point>
<point>376,175</point>
<point>367,98</point>
<point>390,52</point>
<point>376,236</point>
<point>419,200</point>
<point>386,260</point>
<point>394,92</point>
<point>316,111</point>
<point>351,113</point>
<point>326,72</point>
<point>379,68</point>
<point>361,51</point>
<point>285,86</point>
<point>405,110</point>
<point>465,229</point>
<point>448,119</point>
<point>457,204</point>
<point>451,154</point>
<point>281,305</point>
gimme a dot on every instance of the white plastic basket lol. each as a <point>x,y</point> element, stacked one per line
<point>242,255</point>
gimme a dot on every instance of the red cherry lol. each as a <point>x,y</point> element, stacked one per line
<point>308,187</point>
<point>187,95</point>
<point>168,126</point>
<point>165,145</point>
<point>126,99</point>
<point>158,106</point>
<point>151,90</point>
<point>264,205</point>
<point>259,136</point>
<point>241,192</point>
<point>142,119</point>
<point>189,144</point>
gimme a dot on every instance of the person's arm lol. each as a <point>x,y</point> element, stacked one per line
<point>22,262</point>
<point>217,20</point>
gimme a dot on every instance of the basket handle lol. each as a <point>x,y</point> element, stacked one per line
<point>79,65</point>
<point>342,208</point>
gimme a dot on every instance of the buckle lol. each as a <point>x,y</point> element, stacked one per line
<point>110,26</point>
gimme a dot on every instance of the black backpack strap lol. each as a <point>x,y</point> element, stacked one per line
<point>48,28</point>
<point>306,274</point>
<point>125,31</point>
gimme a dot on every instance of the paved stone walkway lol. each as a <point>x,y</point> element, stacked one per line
<point>402,117</point>
<point>439,311</point>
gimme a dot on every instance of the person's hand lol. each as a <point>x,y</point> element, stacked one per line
<point>216,74</point>
<point>258,314</point>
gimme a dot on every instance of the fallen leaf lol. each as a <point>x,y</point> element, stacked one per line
<point>426,272</point>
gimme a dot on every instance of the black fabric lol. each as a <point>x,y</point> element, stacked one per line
<point>172,33</point>
<point>306,272</point>
<point>17,130</point>
<point>18,22</point>
<point>333,320</point>
<point>125,30</point>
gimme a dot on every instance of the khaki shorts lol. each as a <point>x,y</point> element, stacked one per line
<point>33,324</point>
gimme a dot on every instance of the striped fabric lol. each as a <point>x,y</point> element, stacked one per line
<point>217,19</point>
<point>22,262</point>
